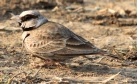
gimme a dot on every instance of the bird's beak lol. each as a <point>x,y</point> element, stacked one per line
<point>15,17</point>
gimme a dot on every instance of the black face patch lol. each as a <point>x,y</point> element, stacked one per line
<point>28,29</point>
<point>19,23</point>
<point>28,17</point>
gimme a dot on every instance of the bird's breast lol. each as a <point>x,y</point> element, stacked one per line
<point>35,42</point>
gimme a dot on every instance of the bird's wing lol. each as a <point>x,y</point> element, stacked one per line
<point>57,39</point>
<point>77,45</point>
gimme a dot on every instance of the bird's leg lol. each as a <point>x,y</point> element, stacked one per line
<point>50,63</point>
<point>36,61</point>
<point>41,61</point>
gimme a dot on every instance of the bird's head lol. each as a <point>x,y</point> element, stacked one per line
<point>30,19</point>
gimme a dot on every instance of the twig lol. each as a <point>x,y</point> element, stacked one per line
<point>10,80</point>
<point>100,59</point>
<point>118,53</point>
<point>78,9</point>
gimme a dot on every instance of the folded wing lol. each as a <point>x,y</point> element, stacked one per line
<point>57,39</point>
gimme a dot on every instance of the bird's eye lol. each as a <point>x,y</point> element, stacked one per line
<point>27,18</point>
<point>19,23</point>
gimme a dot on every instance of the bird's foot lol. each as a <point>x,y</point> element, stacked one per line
<point>46,63</point>
<point>49,63</point>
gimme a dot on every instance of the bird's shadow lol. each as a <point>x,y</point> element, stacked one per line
<point>91,68</point>
<point>98,68</point>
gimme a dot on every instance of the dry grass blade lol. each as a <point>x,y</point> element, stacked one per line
<point>113,76</point>
<point>37,72</point>
<point>58,78</point>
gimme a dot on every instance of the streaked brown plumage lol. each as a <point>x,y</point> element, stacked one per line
<point>53,39</point>
<point>47,39</point>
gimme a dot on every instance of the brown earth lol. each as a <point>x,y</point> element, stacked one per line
<point>109,24</point>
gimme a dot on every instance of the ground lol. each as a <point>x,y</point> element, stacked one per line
<point>108,24</point>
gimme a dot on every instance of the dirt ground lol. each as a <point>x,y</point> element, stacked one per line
<point>108,24</point>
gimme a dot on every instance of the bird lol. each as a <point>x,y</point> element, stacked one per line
<point>50,40</point>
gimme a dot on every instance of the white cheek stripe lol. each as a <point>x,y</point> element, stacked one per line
<point>24,35</point>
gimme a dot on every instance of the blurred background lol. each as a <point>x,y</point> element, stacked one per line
<point>76,10</point>
<point>17,6</point>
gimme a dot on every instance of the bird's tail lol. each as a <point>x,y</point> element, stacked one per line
<point>105,53</point>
